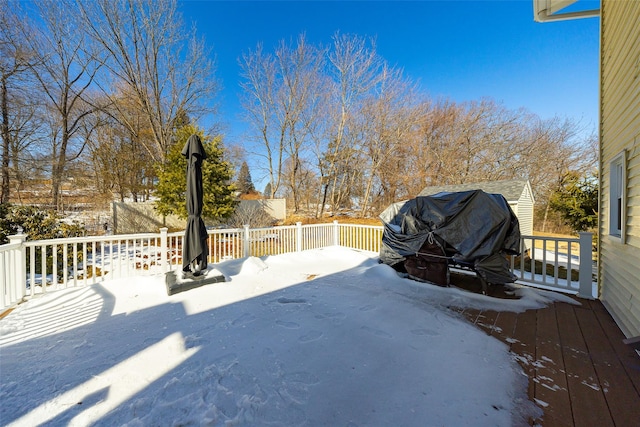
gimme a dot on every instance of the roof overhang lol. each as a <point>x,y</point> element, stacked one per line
<point>551,10</point>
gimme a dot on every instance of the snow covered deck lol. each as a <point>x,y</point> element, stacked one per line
<point>317,337</point>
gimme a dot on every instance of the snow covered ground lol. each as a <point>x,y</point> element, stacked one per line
<point>326,337</point>
<point>562,259</point>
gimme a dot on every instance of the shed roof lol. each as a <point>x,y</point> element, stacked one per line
<point>510,189</point>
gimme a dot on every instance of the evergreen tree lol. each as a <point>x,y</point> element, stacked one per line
<point>39,224</point>
<point>267,190</point>
<point>36,223</point>
<point>171,190</point>
<point>245,184</point>
<point>577,202</point>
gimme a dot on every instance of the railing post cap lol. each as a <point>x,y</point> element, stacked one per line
<point>585,235</point>
<point>17,238</point>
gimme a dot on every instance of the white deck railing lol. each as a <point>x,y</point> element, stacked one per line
<point>557,263</point>
<point>31,267</point>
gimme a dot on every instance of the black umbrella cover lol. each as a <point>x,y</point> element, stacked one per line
<point>195,249</point>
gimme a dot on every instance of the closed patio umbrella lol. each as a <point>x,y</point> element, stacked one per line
<point>195,250</point>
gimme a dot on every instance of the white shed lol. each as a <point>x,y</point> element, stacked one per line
<point>517,192</point>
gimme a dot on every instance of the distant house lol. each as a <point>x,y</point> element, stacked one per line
<point>517,192</point>
<point>619,221</point>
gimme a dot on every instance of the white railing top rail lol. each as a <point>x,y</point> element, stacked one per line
<point>10,246</point>
<point>375,227</point>
<point>90,239</point>
<point>138,236</point>
<point>553,238</point>
<point>218,231</point>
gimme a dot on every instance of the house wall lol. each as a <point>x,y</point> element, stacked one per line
<point>619,257</point>
<point>277,208</point>
<point>525,211</point>
<point>141,217</point>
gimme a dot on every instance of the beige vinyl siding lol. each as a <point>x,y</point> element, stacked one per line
<point>525,219</point>
<point>633,193</point>
<point>525,211</point>
<point>619,274</point>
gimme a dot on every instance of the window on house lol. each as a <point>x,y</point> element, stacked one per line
<point>618,184</point>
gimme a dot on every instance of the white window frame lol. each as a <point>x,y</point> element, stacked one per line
<point>618,196</point>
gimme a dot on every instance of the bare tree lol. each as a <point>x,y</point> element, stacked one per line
<point>378,139</point>
<point>65,70</point>
<point>167,71</point>
<point>389,120</point>
<point>251,212</point>
<point>306,185</point>
<point>17,112</point>
<point>120,162</point>
<point>355,69</point>
<point>484,141</point>
<point>556,149</point>
<point>301,68</point>
<point>260,73</point>
<point>282,103</point>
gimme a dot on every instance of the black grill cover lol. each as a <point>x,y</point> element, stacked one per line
<point>476,229</point>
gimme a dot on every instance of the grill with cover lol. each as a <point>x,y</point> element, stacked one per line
<point>471,229</point>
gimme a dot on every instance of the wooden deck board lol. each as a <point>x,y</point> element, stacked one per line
<point>616,384</point>
<point>524,338</point>
<point>580,372</point>
<point>505,325</point>
<point>629,361</point>
<point>550,378</point>
<point>587,399</point>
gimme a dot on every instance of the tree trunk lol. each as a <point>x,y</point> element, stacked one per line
<point>4,192</point>
<point>59,163</point>
<point>55,190</point>
<point>324,199</point>
<point>544,221</point>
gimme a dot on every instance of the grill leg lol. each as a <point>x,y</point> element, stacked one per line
<point>485,285</point>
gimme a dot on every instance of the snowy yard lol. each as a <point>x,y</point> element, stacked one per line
<point>321,337</point>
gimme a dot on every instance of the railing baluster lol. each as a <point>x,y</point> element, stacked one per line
<point>102,261</point>
<point>54,265</point>
<point>544,261</point>
<point>43,267</point>
<point>522,265</point>
<point>94,267</point>
<point>85,266</point>
<point>32,273</point>
<point>75,264</point>
<point>128,257</point>
<point>65,264</point>
<point>569,263</point>
<point>556,266</point>
<point>112,260</point>
<point>12,261</point>
<point>5,282</point>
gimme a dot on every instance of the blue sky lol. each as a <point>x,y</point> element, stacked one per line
<point>462,50</point>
